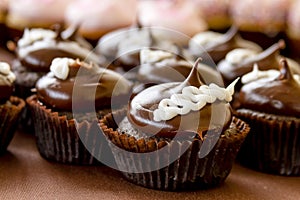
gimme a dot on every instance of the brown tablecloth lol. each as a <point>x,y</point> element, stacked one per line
<point>25,175</point>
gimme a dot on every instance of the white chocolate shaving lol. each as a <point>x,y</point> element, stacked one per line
<point>33,35</point>
<point>192,99</point>
<point>60,67</point>
<point>6,74</point>
<point>256,74</point>
<point>238,55</point>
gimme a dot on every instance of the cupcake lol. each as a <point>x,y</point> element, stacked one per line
<point>217,45</point>
<point>159,66</point>
<point>271,107</point>
<point>38,47</point>
<point>240,61</point>
<point>98,17</point>
<point>34,14</point>
<point>215,13</point>
<point>160,142</point>
<point>293,33</point>
<point>180,20</point>
<point>121,47</point>
<point>68,101</point>
<point>10,106</point>
<point>261,21</point>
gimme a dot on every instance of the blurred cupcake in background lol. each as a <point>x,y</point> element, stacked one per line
<point>262,21</point>
<point>98,17</point>
<point>215,13</point>
<point>34,13</point>
<point>179,19</point>
<point>213,46</point>
<point>293,30</point>
<point>10,106</point>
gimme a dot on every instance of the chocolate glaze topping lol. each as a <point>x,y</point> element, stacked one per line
<point>279,96</point>
<point>142,106</point>
<point>40,60</point>
<point>265,60</point>
<point>97,85</point>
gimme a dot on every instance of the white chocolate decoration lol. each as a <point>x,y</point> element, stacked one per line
<point>36,39</point>
<point>60,67</point>
<point>238,55</point>
<point>256,74</point>
<point>6,75</point>
<point>203,39</point>
<point>192,99</point>
<point>153,56</point>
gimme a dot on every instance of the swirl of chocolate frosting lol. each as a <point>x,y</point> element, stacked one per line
<point>38,47</point>
<point>278,95</point>
<point>142,106</point>
<point>235,65</point>
<point>96,84</point>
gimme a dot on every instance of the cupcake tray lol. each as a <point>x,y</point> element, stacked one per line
<point>24,174</point>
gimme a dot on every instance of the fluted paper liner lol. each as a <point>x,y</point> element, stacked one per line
<point>58,139</point>
<point>188,171</point>
<point>273,144</point>
<point>9,115</point>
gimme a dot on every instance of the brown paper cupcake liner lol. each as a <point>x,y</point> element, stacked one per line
<point>9,115</point>
<point>187,172</point>
<point>58,139</point>
<point>273,144</point>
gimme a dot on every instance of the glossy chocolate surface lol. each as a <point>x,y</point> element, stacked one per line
<point>279,96</point>
<point>40,60</point>
<point>96,86</point>
<point>141,115</point>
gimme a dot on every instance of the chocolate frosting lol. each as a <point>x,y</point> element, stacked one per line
<point>6,92</point>
<point>279,96</point>
<point>142,106</point>
<point>40,60</point>
<point>97,85</point>
<point>265,60</point>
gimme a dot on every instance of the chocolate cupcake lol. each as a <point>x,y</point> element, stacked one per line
<point>261,21</point>
<point>10,106</point>
<point>271,107</point>
<point>122,47</point>
<point>240,61</point>
<point>69,101</point>
<point>161,142</point>
<point>38,47</point>
<point>213,46</point>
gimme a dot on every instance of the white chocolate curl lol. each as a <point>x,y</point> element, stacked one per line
<point>192,99</point>
<point>6,74</point>
<point>60,67</point>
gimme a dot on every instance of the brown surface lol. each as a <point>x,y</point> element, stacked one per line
<point>25,175</point>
